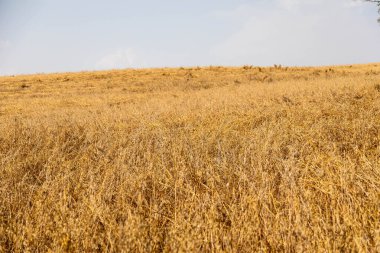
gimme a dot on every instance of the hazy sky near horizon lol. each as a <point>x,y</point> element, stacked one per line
<point>41,36</point>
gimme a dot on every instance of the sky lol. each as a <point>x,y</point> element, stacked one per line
<point>43,36</point>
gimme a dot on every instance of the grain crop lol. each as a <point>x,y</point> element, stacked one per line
<point>203,159</point>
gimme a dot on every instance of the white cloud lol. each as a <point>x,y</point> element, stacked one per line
<point>354,3</point>
<point>5,44</point>
<point>295,32</point>
<point>241,12</point>
<point>327,4</point>
<point>289,4</point>
<point>122,58</point>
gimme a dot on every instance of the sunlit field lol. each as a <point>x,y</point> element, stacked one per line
<point>207,159</point>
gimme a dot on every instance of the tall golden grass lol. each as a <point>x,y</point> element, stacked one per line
<point>191,160</point>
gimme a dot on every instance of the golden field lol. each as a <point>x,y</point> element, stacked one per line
<point>207,159</point>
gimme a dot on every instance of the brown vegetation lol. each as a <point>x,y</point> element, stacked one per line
<point>198,160</point>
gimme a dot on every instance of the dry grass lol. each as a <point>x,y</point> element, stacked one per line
<point>195,160</point>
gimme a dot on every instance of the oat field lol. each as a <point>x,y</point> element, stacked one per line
<point>210,159</point>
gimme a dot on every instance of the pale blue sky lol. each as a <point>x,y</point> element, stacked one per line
<point>72,35</point>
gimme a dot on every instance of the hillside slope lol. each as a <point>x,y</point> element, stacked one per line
<point>203,159</point>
